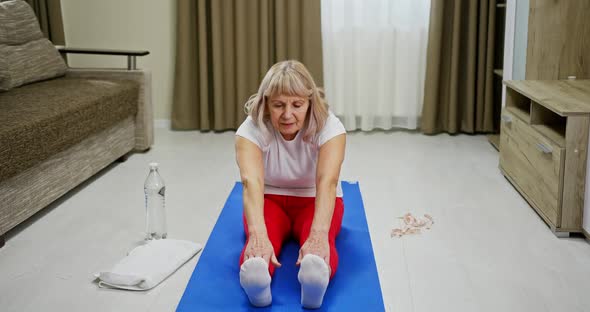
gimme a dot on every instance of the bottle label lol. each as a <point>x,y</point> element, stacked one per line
<point>162,191</point>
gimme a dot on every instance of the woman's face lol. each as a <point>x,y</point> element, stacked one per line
<point>287,114</point>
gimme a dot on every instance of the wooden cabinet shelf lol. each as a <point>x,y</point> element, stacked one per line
<point>543,147</point>
<point>521,112</point>
<point>557,136</point>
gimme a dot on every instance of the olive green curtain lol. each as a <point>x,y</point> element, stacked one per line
<point>458,91</point>
<point>224,48</point>
<point>50,19</point>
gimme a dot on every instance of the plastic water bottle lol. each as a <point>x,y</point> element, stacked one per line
<point>154,190</point>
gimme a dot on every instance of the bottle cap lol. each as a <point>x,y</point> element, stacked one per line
<point>154,165</point>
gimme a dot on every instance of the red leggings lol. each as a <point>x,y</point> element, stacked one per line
<point>291,216</point>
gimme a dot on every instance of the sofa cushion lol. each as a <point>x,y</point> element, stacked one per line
<point>25,55</point>
<point>44,118</point>
<point>19,23</point>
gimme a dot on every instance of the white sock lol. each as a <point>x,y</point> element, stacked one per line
<point>314,276</point>
<point>255,281</point>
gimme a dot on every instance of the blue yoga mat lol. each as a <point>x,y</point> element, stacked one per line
<point>215,285</point>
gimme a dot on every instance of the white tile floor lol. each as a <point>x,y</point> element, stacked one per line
<point>488,250</point>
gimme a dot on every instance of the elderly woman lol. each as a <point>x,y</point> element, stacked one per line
<point>289,151</point>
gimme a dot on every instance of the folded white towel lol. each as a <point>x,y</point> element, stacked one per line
<point>148,265</point>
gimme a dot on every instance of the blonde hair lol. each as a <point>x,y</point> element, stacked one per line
<point>289,78</point>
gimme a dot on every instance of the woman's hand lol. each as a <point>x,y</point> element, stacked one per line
<point>316,244</point>
<point>260,246</point>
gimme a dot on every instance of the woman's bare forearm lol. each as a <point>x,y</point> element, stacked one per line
<point>254,206</point>
<point>249,158</point>
<point>330,160</point>
<point>324,205</point>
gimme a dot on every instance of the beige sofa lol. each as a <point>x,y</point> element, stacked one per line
<point>56,133</point>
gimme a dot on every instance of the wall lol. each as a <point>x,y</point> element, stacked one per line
<point>521,27</point>
<point>515,41</point>
<point>130,24</point>
<point>509,30</point>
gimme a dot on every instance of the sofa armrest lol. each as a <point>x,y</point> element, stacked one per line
<point>131,54</point>
<point>144,120</point>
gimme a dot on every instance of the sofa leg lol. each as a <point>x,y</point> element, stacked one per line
<point>2,241</point>
<point>123,158</point>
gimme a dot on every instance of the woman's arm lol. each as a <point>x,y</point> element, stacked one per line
<point>330,161</point>
<point>249,158</point>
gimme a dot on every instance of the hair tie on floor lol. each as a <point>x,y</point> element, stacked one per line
<point>413,225</point>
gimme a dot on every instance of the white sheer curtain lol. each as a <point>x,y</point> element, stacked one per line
<point>375,60</point>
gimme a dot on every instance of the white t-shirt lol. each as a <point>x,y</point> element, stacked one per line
<point>290,166</point>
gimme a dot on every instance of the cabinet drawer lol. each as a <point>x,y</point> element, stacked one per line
<point>534,163</point>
